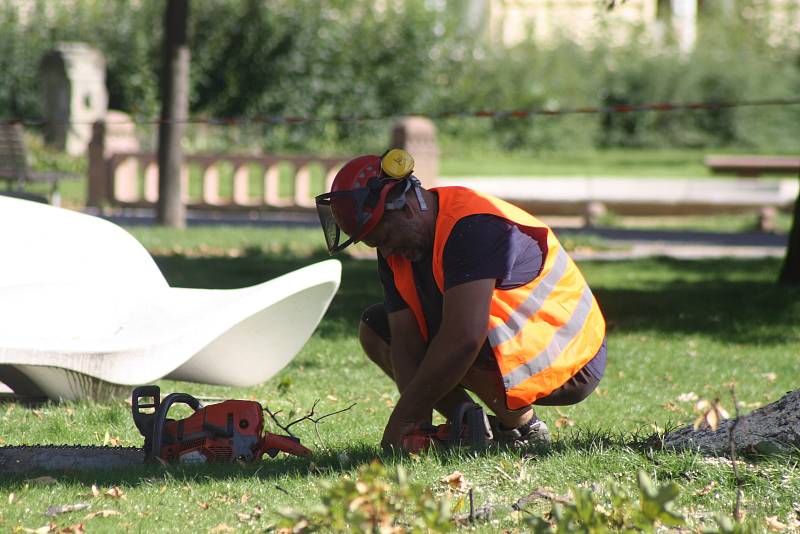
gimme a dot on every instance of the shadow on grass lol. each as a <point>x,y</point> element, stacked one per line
<point>274,470</point>
<point>333,463</point>
<point>731,300</point>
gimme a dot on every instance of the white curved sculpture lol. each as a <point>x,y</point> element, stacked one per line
<point>84,310</point>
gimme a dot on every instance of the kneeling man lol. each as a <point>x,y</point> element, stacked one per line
<point>479,295</point>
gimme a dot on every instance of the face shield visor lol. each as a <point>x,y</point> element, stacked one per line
<point>362,194</point>
<point>347,216</point>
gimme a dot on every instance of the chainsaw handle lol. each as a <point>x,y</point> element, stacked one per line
<point>161,419</point>
<point>273,443</point>
<point>458,419</point>
<point>144,421</point>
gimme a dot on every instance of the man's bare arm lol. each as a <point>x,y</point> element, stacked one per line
<point>407,347</point>
<point>449,356</point>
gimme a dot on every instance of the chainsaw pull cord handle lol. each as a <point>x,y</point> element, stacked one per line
<point>161,418</point>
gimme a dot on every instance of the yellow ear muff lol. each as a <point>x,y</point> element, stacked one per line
<point>397,163</point>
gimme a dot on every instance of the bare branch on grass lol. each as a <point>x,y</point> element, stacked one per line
<point>308,417</point>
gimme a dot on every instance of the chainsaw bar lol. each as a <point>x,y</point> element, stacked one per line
<point>24,458</point>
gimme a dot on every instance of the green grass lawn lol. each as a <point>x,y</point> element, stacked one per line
<point>676,329</point>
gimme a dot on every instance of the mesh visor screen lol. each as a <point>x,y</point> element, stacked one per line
<point>329,227</point>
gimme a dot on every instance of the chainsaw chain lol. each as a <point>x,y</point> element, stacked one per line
<point>22,458</point>
<point>68,447</point>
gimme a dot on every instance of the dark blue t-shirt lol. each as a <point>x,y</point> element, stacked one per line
<point>479,247</point>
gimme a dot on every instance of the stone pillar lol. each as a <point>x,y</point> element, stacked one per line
<point>112,134</point>
<point>75,96</point>
<point>417,135</point>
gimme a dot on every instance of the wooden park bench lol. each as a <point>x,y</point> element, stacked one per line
<point>16,172</point>
<point>753,166</point>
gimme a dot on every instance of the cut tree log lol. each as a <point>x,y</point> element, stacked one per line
<point>773,428</point>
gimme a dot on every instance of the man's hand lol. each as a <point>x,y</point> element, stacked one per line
<point>447,359</point>
<point>451,353</point>
<point>393,434</point>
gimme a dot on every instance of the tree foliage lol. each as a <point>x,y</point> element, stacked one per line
<point>256,58</point>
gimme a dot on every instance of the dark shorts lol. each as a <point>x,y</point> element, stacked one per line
<point>573,391</point>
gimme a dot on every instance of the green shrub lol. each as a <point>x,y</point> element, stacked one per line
<point>374,501</point>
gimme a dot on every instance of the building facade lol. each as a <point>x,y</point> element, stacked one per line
<point>512,21</point>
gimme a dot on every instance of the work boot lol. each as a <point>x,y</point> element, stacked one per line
<point>533,432</point>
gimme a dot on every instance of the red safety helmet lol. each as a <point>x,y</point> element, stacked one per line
<point>357,200</point>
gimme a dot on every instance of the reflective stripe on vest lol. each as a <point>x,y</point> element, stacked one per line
<point>563,336</point>
<point>532,304</point>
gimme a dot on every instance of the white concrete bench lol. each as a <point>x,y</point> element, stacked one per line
<point>87,313</point>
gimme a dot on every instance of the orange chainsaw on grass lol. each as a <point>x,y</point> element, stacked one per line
<point>229,431</point>
<point>226,432</point>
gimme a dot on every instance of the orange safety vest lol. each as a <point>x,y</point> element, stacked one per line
<point>541,333</point>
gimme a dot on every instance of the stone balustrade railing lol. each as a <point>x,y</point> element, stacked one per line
<point>121,174</point>
<point>132,180</point>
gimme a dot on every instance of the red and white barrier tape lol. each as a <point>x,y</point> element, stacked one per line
<point>516,114</point>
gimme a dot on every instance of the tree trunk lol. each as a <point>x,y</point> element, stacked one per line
<point>771,428</point>
<point>790,273</point>
<point>174,112</point>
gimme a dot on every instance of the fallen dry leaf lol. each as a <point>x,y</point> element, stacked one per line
<point>672,407</point>
<point>53,511</point>
<point>563,421</point>
<point>73,529</point>
<point>11,498</point>
<point>257,511</point>
<point>50,527</point>
<point>332,398</point>
<point>687,397</point>
<point>708,488</point>
<point>771,377</point>
<point>95,490</point>
<point>774,525</point>
<point>455,481</point>
<point>203,505</point>
<point>222,527</point>
<point>115,493</point>
<point>710,414</point>
<point>243,517</point>
<point>44,481</point>
<point>108,439</point>
<point>101,513</point>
